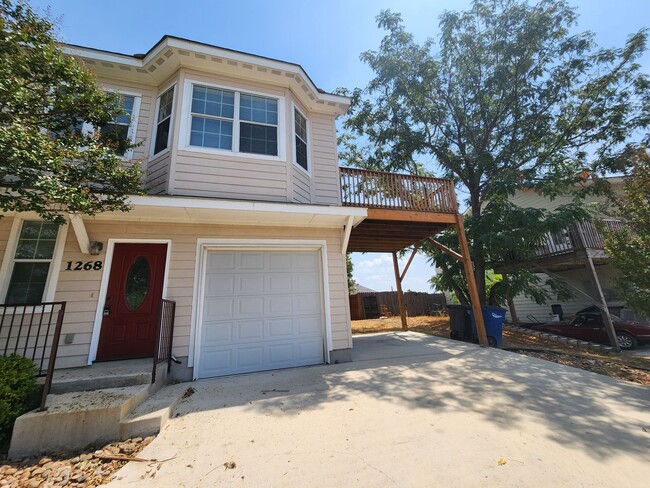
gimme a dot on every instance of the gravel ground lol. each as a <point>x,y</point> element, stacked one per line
<point>88,469</point>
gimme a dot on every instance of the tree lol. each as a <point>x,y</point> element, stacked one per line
<point>629,247</point>
<point>508,99</point>
<point>352,284</point>
<point>50,165</point>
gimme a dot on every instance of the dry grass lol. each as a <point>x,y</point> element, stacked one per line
<point>621,366</point>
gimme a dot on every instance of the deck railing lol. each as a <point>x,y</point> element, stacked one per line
<point>165,336</point>
<point>377,189</point>
<point>579,236</point>
<point>33,331</point>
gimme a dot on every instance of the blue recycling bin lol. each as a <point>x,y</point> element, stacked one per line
<point>493,318</point>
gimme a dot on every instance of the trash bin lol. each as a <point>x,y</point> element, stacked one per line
<point>461,322</point>
<point>493,318</point>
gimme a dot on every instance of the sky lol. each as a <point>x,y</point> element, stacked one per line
<point>325,37</point>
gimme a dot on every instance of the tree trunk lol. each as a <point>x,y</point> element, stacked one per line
<point>477,249</point>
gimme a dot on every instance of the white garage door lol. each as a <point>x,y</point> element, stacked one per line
<point>261,310</point>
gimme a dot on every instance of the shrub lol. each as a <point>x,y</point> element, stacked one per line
<point>18,391</point>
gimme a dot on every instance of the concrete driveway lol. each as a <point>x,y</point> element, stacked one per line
<point>411,411</point>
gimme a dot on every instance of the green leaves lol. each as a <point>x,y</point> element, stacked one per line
<point>629,247</point>
<point>48,165</point>
<point>507,99</point>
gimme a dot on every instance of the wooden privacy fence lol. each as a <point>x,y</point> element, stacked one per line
<point>372,305</point>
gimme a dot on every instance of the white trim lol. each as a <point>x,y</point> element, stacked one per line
<point>186,123</point>
<point>294,157</point>
<point>218,204</point>
<point>80,232</point>
<point>346,236</point>
<point>103,288</point>
<point>154,131</point>
<point>205,244</point>
<point>10,252</point>
<point>99,55</point>
<point>135,115</point>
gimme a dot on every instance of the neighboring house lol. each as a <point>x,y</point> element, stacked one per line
<point>245,224</point>
<point>566,255</point>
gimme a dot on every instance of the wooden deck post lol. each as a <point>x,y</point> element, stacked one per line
<point>471,281</point>
<point>604,311</point>
<point>400,296</point>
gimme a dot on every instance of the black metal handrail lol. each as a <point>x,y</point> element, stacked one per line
<point>27,330</point>
<point>164,337</point>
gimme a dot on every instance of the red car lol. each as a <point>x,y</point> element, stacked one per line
<point>588,326</point>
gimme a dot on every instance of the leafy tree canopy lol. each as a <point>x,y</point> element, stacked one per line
<point>48,164</point>
<point>629,248</point>
<point>508,98</point>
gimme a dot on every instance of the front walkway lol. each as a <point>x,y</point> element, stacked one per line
<point>411,411</point>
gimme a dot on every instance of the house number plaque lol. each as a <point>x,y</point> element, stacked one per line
<point>83,266</point>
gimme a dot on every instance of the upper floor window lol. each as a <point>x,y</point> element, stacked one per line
<point>163,120</point>
<point>30,263</point>
<point>118,131</point>
<point>234,121</point>
<point>300,130</point>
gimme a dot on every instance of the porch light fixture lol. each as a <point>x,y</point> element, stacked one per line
<point>95,247</point>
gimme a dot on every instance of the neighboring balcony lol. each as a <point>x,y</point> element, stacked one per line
<point>403,210</point>
<point>570,248</point>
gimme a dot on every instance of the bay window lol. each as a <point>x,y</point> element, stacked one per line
<point>233,121</point>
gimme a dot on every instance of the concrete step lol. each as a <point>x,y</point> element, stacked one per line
<point>152,415</point>
<point>75,420</point>
<point>103,375</point>
<point>103,382</point>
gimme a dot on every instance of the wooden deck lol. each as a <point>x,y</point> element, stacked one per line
<point>403,210</point>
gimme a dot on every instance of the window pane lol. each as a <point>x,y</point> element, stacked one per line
<point>212,101</point>
<point>301,126</point>
<point>116,136</point>
<point>127,104</point>
<point>211,133</point>
<point>165,104</point>
<point>37,240</point>
<point>137,283</point>
<point>27,283</point>
<point>258,139</point>
<point>301,152</point>
<point>162,136</point>
<point>258,109</point>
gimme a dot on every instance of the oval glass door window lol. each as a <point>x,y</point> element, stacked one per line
<point>137,283</point>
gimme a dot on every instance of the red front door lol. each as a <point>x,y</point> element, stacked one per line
<point>132,305</point>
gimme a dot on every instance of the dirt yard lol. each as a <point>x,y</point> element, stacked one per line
<point>621,366</point>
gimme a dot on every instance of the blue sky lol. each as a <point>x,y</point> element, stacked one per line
<point>325,37</point>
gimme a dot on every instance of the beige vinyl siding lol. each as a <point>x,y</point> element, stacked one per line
<point>81,288</point>
<point>325,171</point>
<point>157,174</point>
<point>301,186</point>
<point>579,279</point>
<point>207,175</point>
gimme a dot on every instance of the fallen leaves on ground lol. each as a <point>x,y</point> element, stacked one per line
<point>80,470</point>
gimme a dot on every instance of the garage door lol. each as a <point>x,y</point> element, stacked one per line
<point>261,310</point>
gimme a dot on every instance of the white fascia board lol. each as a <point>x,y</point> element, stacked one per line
<point>246,205</point>
<point>234,212</point>
<point>249,59</point>
<point>89,53</point>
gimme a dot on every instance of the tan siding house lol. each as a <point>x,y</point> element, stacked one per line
<point>242,226</point>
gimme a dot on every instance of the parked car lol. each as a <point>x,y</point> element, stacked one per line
<point>588,326</point>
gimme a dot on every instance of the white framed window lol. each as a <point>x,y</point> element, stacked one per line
<point>121,131</point>
<point>301,140</point>
<point>164,110</point>
<point>31,263</point>
<point>220,119</point>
